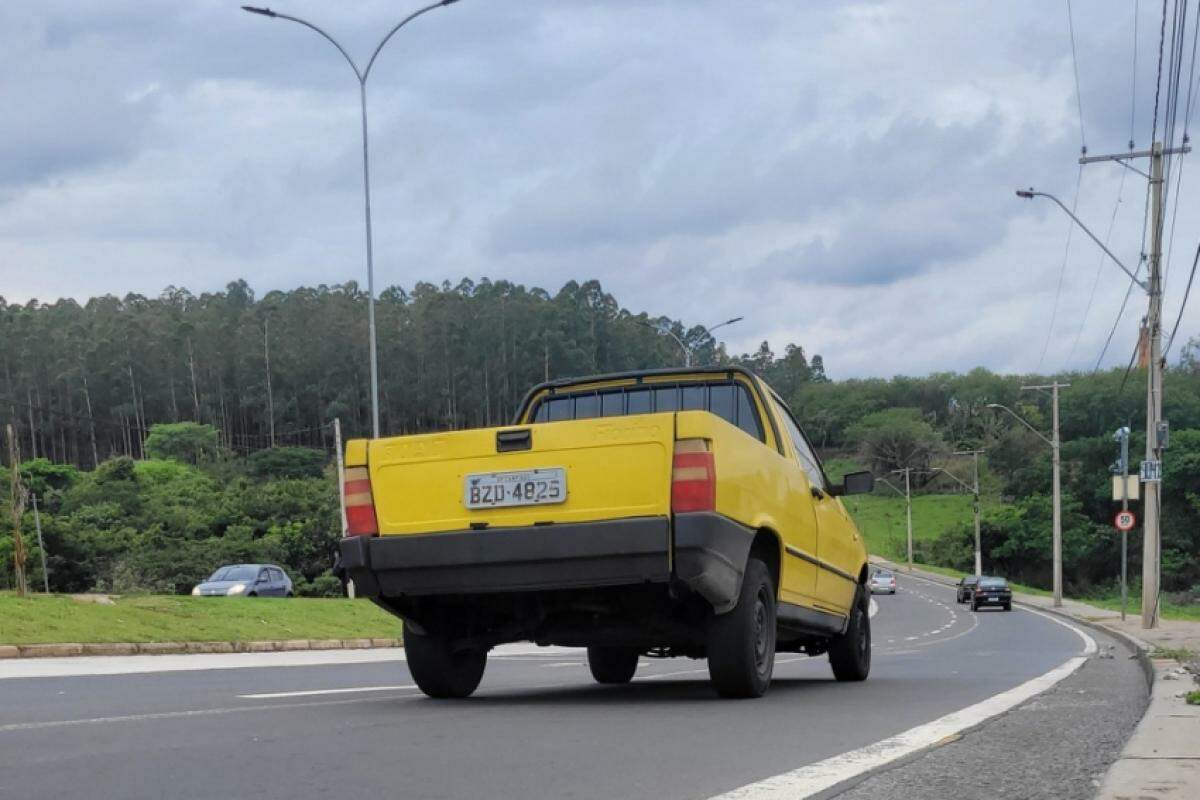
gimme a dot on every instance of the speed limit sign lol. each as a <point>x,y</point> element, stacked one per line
<point>1125,520</point>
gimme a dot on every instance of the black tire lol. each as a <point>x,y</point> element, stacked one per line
<point>440,671</point>
<point>612,664</point>
<point>974,606</point>
<point>1008,606</point>
<point>850,653</point>
<point>741,642</point>
<point>252,594</point>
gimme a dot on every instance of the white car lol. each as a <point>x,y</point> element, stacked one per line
<point>882,581</point>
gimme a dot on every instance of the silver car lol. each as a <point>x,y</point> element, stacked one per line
<point>882,581</point>
<point>246,580</point>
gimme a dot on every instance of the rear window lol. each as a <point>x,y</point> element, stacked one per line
<point>730,401</point>
<point>994,583</point>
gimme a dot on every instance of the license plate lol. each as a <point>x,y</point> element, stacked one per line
<point>527,487</point>
<point>993,599</point>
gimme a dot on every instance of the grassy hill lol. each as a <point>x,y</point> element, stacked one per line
<point>882,519</point>
<point>42,619</point>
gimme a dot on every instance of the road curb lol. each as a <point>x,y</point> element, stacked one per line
<point>71,649</point>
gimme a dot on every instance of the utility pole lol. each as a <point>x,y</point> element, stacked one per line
<point>978,546</point>
<point>270,395</point>
<point>17,496</point>
<point>975,490</point>
<point>907,506</point>
<point>1054,442</point>
<point>37,523</point>
<point>1055,448</point>
<point>1152,505</point>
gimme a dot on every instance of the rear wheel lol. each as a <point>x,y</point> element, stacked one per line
<point>612,664</point>
<point>850,653</point>
<point>440,671</point>
<point>741,642</point>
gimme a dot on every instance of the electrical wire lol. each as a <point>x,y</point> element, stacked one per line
<point>1075,66</point>
<point>1182,305</point>
<point>1099,268</point>
<point>1062,271</point>
<point>1133,75</point>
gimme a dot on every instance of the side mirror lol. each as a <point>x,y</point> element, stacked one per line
<point>856,483</point>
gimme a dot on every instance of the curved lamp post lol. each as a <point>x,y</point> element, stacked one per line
<point>1054,443</point>
<point>687,351</point>
<point>362,75</point>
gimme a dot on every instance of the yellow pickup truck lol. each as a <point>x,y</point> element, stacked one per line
<point>660,513</point>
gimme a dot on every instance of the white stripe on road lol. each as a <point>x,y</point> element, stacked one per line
<point>315,692</point>
<point>815,778</point>
<point>75,666</point>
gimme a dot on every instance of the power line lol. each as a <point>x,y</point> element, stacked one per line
<point>1062,271</point>
<point>1075,65</point>
<point>1182,305</point>
<point>1099,268</point>
<point>1133,75</point>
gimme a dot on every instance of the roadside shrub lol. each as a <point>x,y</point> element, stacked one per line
<point>324,585</point>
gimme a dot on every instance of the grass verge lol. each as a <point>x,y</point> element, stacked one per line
<point>48,619</point>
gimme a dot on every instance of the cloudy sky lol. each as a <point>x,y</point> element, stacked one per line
<point>839,173</point>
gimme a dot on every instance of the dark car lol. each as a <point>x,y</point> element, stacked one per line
<point>966,588</point>
<point>246,580</point>
<point>992,592</point>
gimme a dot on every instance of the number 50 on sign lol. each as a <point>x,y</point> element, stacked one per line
<point>1125,520</point>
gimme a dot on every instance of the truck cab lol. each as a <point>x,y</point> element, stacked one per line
<point>663,513</point>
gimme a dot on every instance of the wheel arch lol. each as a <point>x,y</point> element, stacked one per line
<point>768,547</point>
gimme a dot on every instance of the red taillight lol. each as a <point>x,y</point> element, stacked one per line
<point>693,477</point>
<point>360,506</point>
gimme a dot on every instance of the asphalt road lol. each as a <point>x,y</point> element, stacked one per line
<point>540,728</point>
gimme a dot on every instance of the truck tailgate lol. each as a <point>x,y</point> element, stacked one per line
<point>615,467</point>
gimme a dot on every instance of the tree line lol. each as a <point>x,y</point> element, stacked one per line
<point>85,382</point>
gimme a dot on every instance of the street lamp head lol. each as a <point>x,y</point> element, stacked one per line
<point>266,12</point>
<point>1026,193</point>
<point>735,319</point>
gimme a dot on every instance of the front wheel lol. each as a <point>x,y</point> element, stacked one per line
<point>439,670</point>
<point>741,642</point>
<point>850,653</point>
<point>612,664</point>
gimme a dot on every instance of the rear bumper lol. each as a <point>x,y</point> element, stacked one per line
<point>704,551</point>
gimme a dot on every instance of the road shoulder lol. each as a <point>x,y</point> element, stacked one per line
<point>1162,758</point>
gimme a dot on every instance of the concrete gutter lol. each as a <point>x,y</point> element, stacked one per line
<point>66,650</point>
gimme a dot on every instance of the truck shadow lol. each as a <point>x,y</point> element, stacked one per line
<point>636,693</point>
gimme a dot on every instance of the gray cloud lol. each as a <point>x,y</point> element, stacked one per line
<point>840,174</point>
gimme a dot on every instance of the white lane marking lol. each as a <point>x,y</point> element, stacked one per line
<point>808,781</point>
<point>75,666</point>
<point>814,778</point>
<point>202,712</point>
<point>316,692</point>
<point>563,664</point>
<point>873,608</point>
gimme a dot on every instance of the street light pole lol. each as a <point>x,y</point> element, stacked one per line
<point>1152,506</point>
<point>1054,443</point>
<point>975,490</point>
<point>362,75</point>
<point>907,493</point>
<point>687,351</point>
